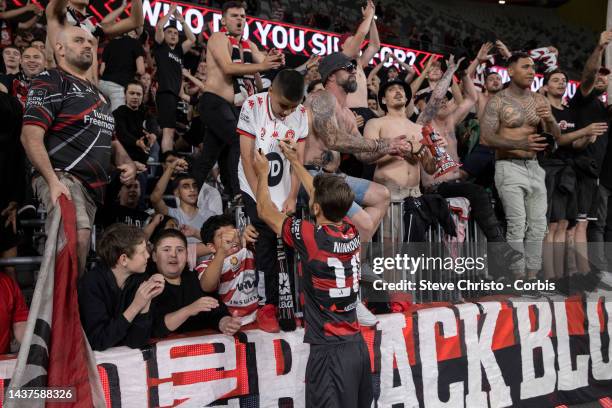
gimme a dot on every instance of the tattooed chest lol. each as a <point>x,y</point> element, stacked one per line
<point>519,112</point>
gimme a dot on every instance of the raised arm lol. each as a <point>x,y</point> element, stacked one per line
<point>439,93</point>
<point>410,71</point>
<point>587,82</point>
<point>482,57</point>
<point>191,39</point>
<point>112,17</point>
<point>157,196</point>
<point>373,46</point>
<point>159,28</point>
<point>352,48</point>
<point>193,79</point>
<point>9,14</point>
<point>469,100</point>
<point>135,20</point>
<point>416,84</point>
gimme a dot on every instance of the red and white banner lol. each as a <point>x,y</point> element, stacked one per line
<point>499,354</point>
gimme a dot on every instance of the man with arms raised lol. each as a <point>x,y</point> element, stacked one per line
<point>68,133</point>
<point>228,59</point>
<point>510,125</point>
<point>338,368</point>
<point>333,130</point>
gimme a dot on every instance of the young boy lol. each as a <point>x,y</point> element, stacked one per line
<point>231,272</point>
<point>186,190</point>
<point>115,296</point>
<point>184,306</point>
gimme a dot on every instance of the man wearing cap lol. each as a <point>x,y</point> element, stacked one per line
<point>169,59</point>
<point>588,109</point>
<point>333,130</point>
<point>402,175</point>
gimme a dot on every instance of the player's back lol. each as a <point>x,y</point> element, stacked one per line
<point>330,270</point>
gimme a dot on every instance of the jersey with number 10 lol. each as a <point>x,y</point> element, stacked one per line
<point>330,271</point>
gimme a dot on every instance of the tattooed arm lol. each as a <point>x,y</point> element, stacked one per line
<point>431,110</point>
<point>322,108</point>
<point>490,125</point>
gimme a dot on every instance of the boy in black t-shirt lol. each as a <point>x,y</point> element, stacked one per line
<point>183,306</point>
<point>169,59</point>
<point>338,368</point>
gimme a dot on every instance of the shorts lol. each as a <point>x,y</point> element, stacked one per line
<point>82,200</point>
<point>480,164</point>
<point>357,185</point>
<point>587,193</point>
<point>339,375</point>
<point>167,103</point>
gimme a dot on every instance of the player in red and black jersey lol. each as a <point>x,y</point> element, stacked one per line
<point>67,134</point>
<point>338,370</point>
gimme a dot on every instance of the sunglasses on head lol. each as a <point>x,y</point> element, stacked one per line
<point>350,67</point>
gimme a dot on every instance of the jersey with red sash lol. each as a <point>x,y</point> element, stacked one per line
<point>244,86</point>
<point>330,270</point>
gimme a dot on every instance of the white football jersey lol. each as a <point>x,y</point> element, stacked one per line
<point>259,123</point>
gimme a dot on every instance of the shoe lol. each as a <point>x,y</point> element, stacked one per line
<point>266,319</point>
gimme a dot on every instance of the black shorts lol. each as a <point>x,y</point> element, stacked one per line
<point>560,191</point>
<point>167,103</point>
<point>587,193</point>
<point>339,376</point>
<point>480,164</point>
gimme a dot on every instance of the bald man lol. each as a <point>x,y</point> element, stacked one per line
<point>67,134</point>
<point>66,13</point>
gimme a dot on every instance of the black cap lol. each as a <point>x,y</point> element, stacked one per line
<point>386,85</point>
<point>332,63</point>
<point>172,24</point>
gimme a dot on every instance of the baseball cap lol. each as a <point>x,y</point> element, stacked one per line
<point>386,85</point>
<point>332,63</point>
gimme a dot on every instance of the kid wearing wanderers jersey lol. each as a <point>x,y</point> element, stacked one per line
<point>266,119</point>
<point>231,272</point>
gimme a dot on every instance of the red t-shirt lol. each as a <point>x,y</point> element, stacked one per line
<point>13,309</point>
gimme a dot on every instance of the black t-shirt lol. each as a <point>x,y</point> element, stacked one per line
<point>78,126</point>
<point>591,109</point>
<point>120,60</point>
<point>175,297</point>
<point>566,119</point>
<point>330,271</point>
<point>129,127</point>
<point>169,67</point>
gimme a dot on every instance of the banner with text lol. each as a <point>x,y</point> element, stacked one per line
<point>536,353</point>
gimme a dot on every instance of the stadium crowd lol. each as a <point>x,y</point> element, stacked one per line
<point>156,135</point>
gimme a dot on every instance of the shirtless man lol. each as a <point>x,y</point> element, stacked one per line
<point>228,60</point>
<point>509,125</point>
<point>401,175</point>
<point>74,12</point>
<point>444,115</point>
<point>480,162</point>
<point>333,130</point>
